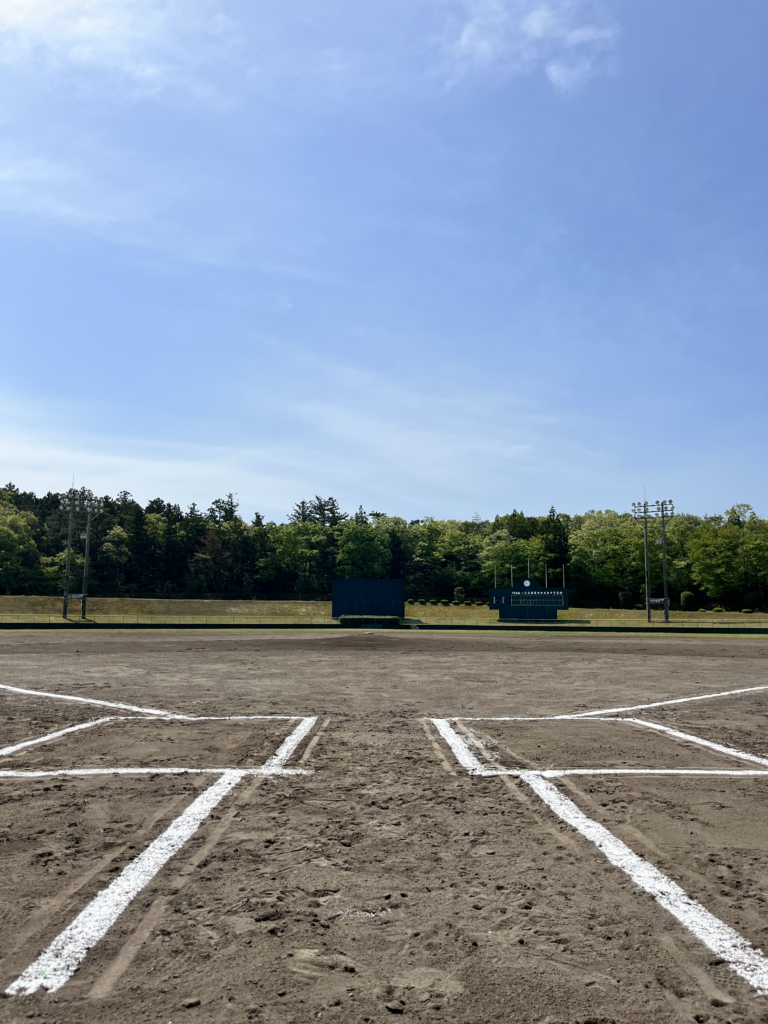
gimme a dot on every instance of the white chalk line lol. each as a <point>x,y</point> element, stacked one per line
<point>154,712</point>
<point>604,711</point>
<point>746,961</point>
<point>688,737</point>
<point>289,744</point>
<point>461,751</point>
<point>662,703</point>
<point>6,751</point>
<point>473,766</point>
<point>92,700</point>
<point>61,959</point>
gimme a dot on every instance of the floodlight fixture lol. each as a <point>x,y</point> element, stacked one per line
<point>663,509</point>
<point>69,502</point>
<point>93,507</point>
<point>640,511</point>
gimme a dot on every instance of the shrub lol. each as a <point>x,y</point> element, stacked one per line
<point>746,611</point>
<point>458,595</point>
<point>718,609</point>
<point>410,601</point>
<point>480,603</point>
<point>626,599</point>
<point>433,600</point>
<point>468,602</point>
<point>455,602</point>
<point>704,609</point>
<point>422,600</point>
<point>687,601</point>
<point>444,602</point>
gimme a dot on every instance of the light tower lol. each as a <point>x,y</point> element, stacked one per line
<point>640,511</point>
<point>69,502</point>
<point>664,510</point>
<point>94,507</point>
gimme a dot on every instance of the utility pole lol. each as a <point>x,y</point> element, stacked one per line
<point>640,511</point>
<point>664,510</point>
<point>68,502</point>
<point>94,507</point>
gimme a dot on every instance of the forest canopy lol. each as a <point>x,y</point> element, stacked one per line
<point>160,550</point>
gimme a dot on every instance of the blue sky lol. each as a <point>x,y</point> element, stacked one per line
<point>434,257</point>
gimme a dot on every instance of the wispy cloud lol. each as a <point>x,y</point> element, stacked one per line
<point>154,42</point>
<point>569,39</point>
<point>148,41</point>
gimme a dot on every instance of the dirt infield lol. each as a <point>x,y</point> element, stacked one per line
<point>393,878</point>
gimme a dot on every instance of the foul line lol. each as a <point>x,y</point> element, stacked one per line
<point>93,700</point>
<point>748,962</point>
<point>661,703</point>
<point>730,751</point>
<point>5,751</point>
<point>62,958</point>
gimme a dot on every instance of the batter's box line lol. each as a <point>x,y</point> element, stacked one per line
<point>56,964</point>
<point>51,736</point>
<point>744,959</point>
<point>676,734</point>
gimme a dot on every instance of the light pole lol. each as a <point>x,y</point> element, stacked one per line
<point>640,511</point>
<point>69,502</point>
<point>664,510</point>
<point>93,506</point>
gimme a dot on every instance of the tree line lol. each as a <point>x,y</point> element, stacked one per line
<point>160,550</point>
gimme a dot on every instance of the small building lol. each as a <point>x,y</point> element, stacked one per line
<point>368,597</point>
<point>528,600</point>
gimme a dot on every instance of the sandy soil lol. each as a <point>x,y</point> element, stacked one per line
<point>388,882</point>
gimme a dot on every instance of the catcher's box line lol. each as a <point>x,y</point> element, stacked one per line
<point>746,961</point>
<point>60,960</point>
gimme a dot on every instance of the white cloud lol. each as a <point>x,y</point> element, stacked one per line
<point>149,41</point>
<point>505,38</point>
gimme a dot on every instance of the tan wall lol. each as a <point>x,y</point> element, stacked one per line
<point>20,605</point>
<point>150,606</point>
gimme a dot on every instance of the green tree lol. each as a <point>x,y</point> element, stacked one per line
<point>363,551</point>
<point>19,558</point>
<point>729,555</point>
<point>607,552</point>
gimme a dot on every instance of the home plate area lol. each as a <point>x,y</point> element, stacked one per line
<point>605,866</point>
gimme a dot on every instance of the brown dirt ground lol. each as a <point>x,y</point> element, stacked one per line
<point>388,882</point>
